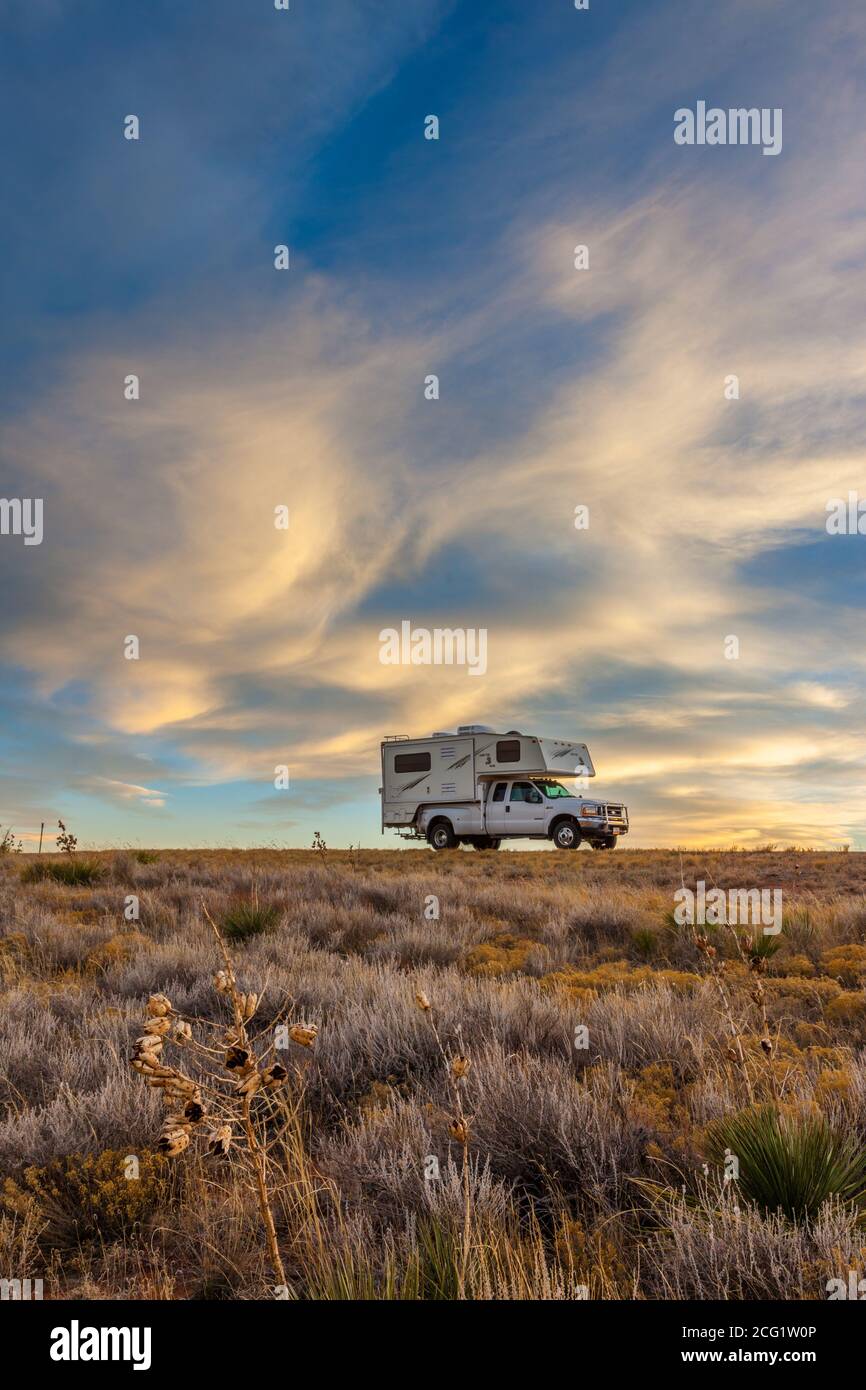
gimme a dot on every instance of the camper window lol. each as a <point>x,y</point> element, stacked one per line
<point>412,762</point>
<point>508,750</point>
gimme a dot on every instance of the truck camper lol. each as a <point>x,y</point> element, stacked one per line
<point>478,787</point>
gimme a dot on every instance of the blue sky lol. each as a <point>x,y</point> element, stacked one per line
<point>305,388</point>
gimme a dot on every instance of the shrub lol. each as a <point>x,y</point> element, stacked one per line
<point>788,1163</point>
<point>846,963</point>
<point>89,1196</point>
<point>74,873</point>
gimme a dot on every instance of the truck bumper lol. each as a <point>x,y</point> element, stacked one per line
<point>589,829</point>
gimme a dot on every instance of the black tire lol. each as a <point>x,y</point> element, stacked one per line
<point>486,842</point>
<point>609,842</point>
<point>566,835</point>
<point>441,835</point>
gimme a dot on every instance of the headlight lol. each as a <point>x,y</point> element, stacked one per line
<point>589,810</point>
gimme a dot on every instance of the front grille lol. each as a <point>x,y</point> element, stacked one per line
<point>614,812</point>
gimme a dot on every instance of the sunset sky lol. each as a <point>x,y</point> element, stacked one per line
<point>304,388</point>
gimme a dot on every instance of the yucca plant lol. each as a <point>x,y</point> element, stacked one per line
<point>74,873</point>
<point>788,1163</point>
<point>225,1092</point>
<point>760,947</point>
<point>645,942</point>
<point>244,920</point>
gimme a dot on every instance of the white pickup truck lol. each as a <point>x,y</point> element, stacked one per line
<point>478,787</point>
<point>537,808</point>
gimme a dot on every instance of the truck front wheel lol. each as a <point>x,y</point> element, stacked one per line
<point>441,835</point>
<point>566,835</point>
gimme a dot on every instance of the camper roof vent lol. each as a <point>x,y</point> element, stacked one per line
<point>475,729</point>
<point>439,733</point>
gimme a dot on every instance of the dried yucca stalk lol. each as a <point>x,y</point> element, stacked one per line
<point>456,1071</point>
<point>227,1099</point>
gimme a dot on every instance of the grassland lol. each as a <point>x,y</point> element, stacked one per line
<point>593,1169</point>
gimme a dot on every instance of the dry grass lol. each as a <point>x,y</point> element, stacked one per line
<point>469,1150</point>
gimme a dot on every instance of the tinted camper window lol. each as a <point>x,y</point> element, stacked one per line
<point>412,762</point>
<point>508,750</point>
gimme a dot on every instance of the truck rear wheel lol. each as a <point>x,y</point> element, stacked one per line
<point>609,842</point>
<point>566,835</point>
<point>486,842</point>
<point>441,835</point>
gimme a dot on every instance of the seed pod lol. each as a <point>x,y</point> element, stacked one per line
<point>158,1006</point>
<point>172,1123</point>
<point>237,1058</point>
<point>219,1141</point>
<point>248,1085</point>
<point>193,1111</point>
<point>174,1144</point>
<point>159,1026</point>
<point>148,1042</point>
<point>249,1004</point>
<point>767,1046</point>
<point>303,1033</point>
<point>223,982</point>
<point>422,1001</point>
<point>459,1130</point>
<point>182,1032</point>
<point>459,1067</point>
<point>150,1061</point>
<point>274,1076</point>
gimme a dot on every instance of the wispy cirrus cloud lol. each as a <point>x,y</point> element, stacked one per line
<point>559,387</point>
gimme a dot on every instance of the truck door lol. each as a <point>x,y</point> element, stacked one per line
<point>496,819</point>
<point>525,810</point>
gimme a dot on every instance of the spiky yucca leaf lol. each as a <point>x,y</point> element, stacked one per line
<point>790,1164</point>
<point>248,919</point>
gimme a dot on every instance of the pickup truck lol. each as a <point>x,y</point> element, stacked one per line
<point>536,808</point>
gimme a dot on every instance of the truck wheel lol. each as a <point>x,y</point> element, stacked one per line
<point>609,842</point>
<point>486,842</point>
<point>441,836</point>
<point>566,835</point>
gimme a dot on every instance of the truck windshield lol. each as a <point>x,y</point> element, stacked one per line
<point>552,789</point>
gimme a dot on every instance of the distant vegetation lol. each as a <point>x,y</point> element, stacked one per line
<point>514,1076</point>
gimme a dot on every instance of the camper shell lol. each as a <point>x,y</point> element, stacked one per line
<point>449,769</point>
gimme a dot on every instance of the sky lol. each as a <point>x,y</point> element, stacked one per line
<point>606,387</point>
